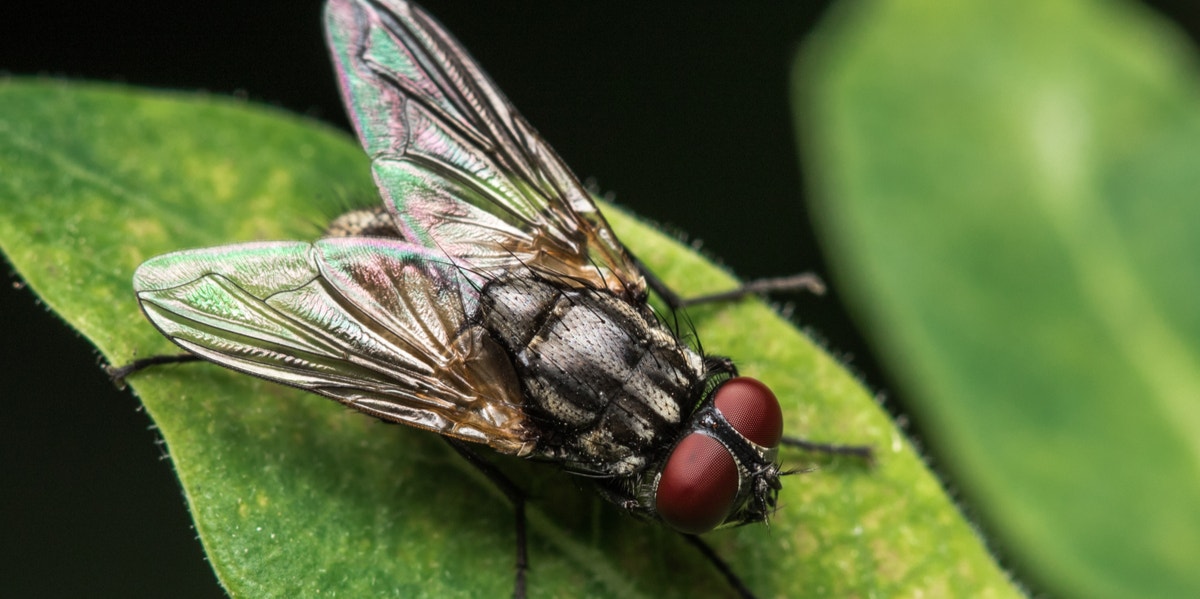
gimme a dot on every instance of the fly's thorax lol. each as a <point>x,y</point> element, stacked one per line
<point>606,384</point>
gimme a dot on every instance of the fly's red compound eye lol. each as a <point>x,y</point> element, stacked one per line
<point>698,485</point>
<point>700,480</point>
<point>751,409</point>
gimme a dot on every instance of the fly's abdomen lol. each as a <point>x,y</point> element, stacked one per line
<point>605,382</point>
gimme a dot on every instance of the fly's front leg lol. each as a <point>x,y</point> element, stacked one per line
<point>721,565</point>
<point>514,494</point>
<point>802,282</point>
<point>118,373</point>
<point>863,452</point>
<point>806,282</point>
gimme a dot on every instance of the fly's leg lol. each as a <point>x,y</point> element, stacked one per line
<point>863,452</point>
<point>510,490</point>
<point>619,497</point>
<point>734,581</point>
<point>808,282</point>
<point>514,494</point>
<point>118,373</point>
<point>801,282</point>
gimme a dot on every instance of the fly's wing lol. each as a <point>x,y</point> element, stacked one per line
<point>377,324</point>
<point>460,170</point>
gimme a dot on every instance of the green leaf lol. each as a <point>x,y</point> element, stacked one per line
<point>1009,193</point>
<point>294,496</point>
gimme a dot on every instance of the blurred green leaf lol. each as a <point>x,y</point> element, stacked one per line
<point>295,496</point>
<point>1009,191</point>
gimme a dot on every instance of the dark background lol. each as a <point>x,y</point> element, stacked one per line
<point>681,109</point>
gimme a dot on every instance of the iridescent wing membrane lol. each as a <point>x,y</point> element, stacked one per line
<point>457,166</point>
<point>383,324</point>
<point>376,324</point>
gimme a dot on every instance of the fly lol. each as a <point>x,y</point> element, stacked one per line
<point>487,300</point>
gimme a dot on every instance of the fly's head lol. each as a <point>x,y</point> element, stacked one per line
<point>724,470</point>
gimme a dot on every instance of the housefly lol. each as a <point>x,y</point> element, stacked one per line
<point>487,300</point>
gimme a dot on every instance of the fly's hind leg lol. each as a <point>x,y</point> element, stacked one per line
<point>118,373</point>
<point>514,494</point>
